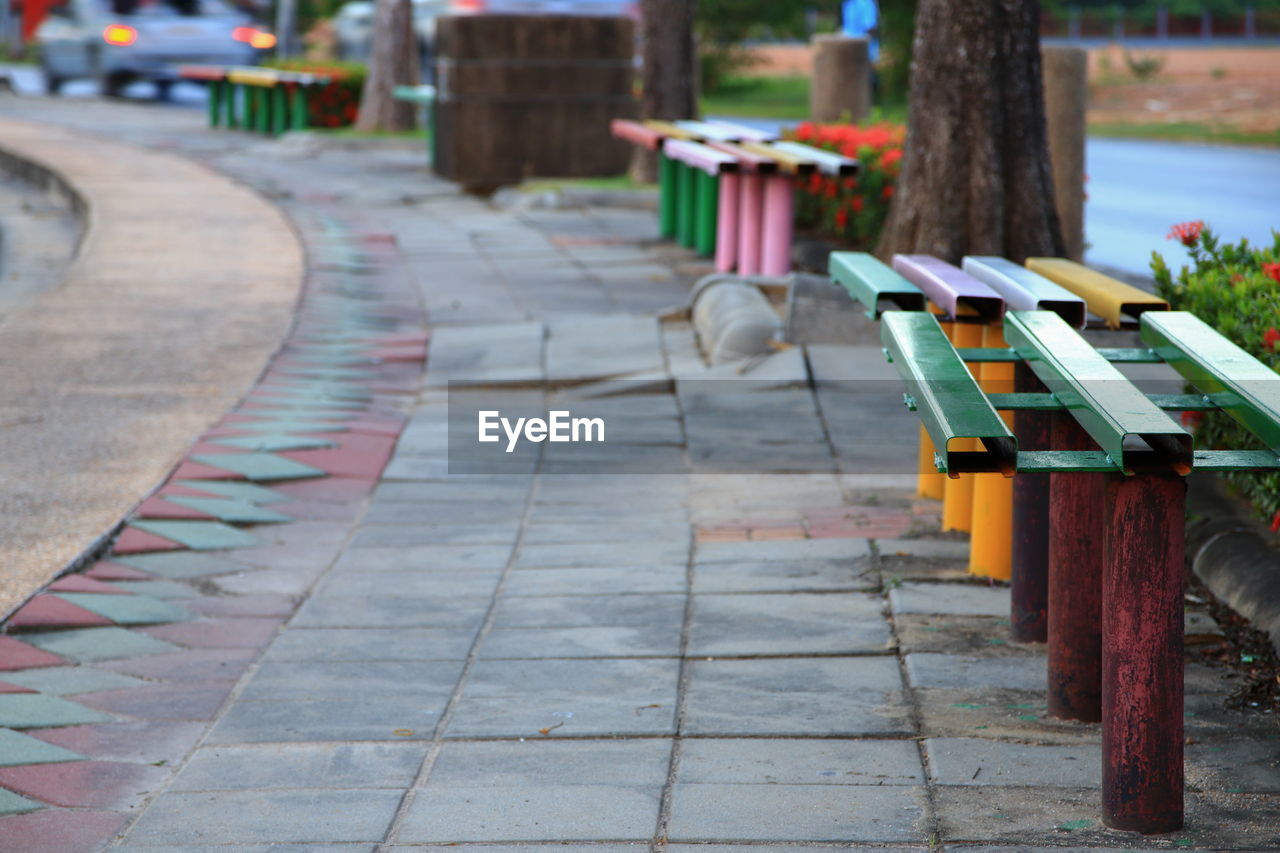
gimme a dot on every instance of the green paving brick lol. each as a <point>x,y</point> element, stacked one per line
<point>36,711</point>
<point>329,373</point>
<point>89,644</point>
<point>245,492</point>
<point>232,511</point>
<point>273,441</point>
<point>127,609</point>
<point>299,404</point>
<point>198,535</point>
<point>182,564</point>
<point>317,391</point>
<point>11,803</point>
<point>68,680</point>
<point>17,748</point>
<point>155,589</point>
<point>260,466</point>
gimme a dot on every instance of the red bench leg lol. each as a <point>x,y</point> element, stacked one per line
<point>1142,658</point>
<point>1028,617</point>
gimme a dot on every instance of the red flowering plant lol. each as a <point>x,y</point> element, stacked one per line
<point>336,103</point>
<point>1235,288</point>
<point>851,210</point>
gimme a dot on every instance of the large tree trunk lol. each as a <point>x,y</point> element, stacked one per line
<point>670,73</point>
<point>393,61</point>
<point>975,177</point>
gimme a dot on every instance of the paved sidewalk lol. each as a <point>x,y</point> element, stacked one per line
<point>735,629</point>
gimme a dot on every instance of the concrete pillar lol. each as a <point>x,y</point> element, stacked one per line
<point>841,87</point>
<point>1065,94</point>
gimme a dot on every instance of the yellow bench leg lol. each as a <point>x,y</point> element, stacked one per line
<point>957,502</point>
<point>991,539</point>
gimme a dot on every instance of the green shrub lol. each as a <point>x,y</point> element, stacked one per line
<point>1235,288</point>
<point>336,104</point>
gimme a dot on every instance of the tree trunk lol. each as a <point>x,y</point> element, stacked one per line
<point>670,74</point>
<point>975,177</point>
<point>393,61</point>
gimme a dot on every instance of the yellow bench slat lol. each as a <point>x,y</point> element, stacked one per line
<point>1110,299</point>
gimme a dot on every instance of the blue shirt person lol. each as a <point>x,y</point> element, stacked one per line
<point>862,19</point>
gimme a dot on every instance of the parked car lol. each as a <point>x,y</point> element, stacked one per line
<point>118,41</point>
<point>353,27</point>
<point>630,8</point>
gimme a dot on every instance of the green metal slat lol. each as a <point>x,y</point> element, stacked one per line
<point>874,283</point>
<point>1131,429</point>
<point>1033,402</point>
<point>949,401</point>
<point>988,355</point>
<point>1124,355</point>
<point>1236,460</point>
<point>1065,462</point>
<point>1239,384</point>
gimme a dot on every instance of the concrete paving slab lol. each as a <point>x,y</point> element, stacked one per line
<point>346,719</point>
<point>782,550</point>
<point>425,558</point>
<point>537,812</point>
<point>791,624</point>
<point>411,535</point>
<point>599,347</point>
<point>287,681</point>
<point>267,816</point>
<point>799,762</point>
<point>569,697</point>
<point>594,555</point>
<point>322,765</point>
<point>980,762</point>
<point>796,813</point>
<point>371,644</point>
<point>614,641</point>
<point>578,611</point>
<point>442,611</point>
<point>558,582</point>
<point>795,696</point>
<point>927,669</point>
<point>542,760</point>
<point>953,599</point>
<point>807,575</point>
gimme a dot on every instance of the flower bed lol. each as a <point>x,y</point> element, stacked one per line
<point>333,105</point>
<point>1235,288</point>
<point>850,210</point>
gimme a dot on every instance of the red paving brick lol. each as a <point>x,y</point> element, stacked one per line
<point>84,784</point>
<point>158,507</point>
<point>192,701</point>
<point>6,687</point>
<point>49,611</point>
<point>178,491</point>
<point>84,583</point>
<point>189,665</point>
<point>218,634</point>
<point>135,541</point>
<point>339,489</point>
<point>15,654</point>
<point>59,831</point>
<point>105,570</point>
<point>137,741</point>
<point>358,455</point>
<point>198,471</point>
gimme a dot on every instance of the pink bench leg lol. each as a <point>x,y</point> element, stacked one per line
<point>751,210</point>
<point>727,223</point>
<point>778,216</point>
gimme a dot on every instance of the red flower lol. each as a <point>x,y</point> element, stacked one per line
<point>1269,339</point>
<point>1272,271</point>
<point>857,204</point>
<point>842,218</point>
<point>1275,522</point>
<point>891,158</point>
<point>1186,233</point>
<point>815,183</point>
<point>886,193</point>
<point>1192,419</point>
<point>830,190</point>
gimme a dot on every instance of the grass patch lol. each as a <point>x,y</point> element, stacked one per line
<point>352,133</point>
<point>1185,131</point>
<point>611,182</point>
<point>784,98</point>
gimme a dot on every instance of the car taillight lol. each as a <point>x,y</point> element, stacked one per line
<point>468,7</point>
<point>122,35</point>
<point>254,38</point>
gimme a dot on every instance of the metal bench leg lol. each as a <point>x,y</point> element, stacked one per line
<point>957,502</point>
<point>215,103</point>
<point>707,187</point>
<point>1142,658</point>
<point>750,214</point>
<point>1077,549</point>
<point>727,223</point>
<point>1028,616</point>
<point>233,104</point>
<point>261,110</point>
<point>279,109</point>
<point>686,205</point>
<point>668,191</point>
<point>298,106</point>
<point>778,223</point>
<point>991,544</point>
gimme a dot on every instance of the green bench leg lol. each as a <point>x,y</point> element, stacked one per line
<point>708,189</point>
<point>215,103</point>
<point>686,205</point>
<point>232,94</point>
<point>298,106</point>
<point>279,109</point>
<point>261,110</point>
<point>667,177</point>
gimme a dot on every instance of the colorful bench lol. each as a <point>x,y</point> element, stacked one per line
<point>1115,463</point>
<point>262,99</point>
<point>727,191</point>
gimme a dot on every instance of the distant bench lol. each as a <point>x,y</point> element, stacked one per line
<point>266,100</point>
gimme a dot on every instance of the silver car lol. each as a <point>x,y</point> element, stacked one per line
<point>353,27</point>
<point>118,41</point>
<point>630,8</point>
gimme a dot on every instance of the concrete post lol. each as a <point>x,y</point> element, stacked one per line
<point>1065,94</point>
<point>841,88</point>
